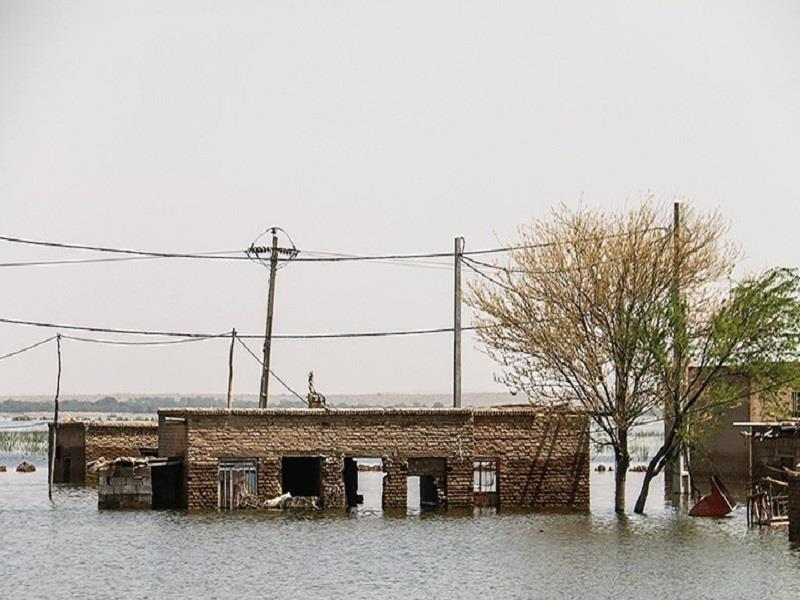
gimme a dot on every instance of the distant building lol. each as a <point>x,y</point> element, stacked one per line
<point>733,453</point>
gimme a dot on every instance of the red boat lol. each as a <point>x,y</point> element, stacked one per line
<point>715,504</point>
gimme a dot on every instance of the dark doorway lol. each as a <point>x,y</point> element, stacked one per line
<point>167,482</point>
<point>428,493</point>
<point>302,475</point>
<point>427,482</point>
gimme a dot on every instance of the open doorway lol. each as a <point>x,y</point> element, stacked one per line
<point>426,483</point>
<point>363,484</point>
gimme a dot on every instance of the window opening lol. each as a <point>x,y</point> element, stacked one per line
<point>302,475</point>
<point>485,475</point>
<point>238,479</point>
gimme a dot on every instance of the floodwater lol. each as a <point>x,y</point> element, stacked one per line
<point>69,549</point>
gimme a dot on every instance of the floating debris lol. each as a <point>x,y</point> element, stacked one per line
<point>25,467</point>
<point>715,504</point>
<point>638,469</point>
<point>3,469</point>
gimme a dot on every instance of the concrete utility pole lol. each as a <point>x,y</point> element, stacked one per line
<point>681,482</point>
<point>230,369</point>
<point>458,251</point>
<point>273,267</point>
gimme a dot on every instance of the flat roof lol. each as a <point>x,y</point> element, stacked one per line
<point>521,409</point>
<point>91,423</point>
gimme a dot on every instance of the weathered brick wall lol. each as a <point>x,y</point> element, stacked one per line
<point>114,439</point>
<point>171,437</point>
<point>69,453</point>
<point>543,459</point>
<point>393,435</point>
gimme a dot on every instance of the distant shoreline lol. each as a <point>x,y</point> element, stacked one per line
<point>149,404</point>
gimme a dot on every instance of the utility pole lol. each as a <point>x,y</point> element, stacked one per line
<point>255,253</point>
<point>230,369</point>
<point>458,251</point>
<point>273,267</point>
<point>681,482</point>
<point>52,457</point>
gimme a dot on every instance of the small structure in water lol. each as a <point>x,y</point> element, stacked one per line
<point>137,482</point>
<point>768,503</point>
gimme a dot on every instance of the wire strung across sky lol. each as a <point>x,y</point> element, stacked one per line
<point>271,372</point>
<point>26,348</point>
<point>240,255</point>
<point>202,336</point>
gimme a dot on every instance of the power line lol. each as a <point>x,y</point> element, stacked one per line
<point>26,348</point>
<point>199,336</point>
<point>132,343</point>
<point>332,257</point>
<point>271,372</point>
<point>204,255</point>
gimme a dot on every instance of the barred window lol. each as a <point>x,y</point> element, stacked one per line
<point>238,478</point>
<point>485,475</point>
<point>796,404</point>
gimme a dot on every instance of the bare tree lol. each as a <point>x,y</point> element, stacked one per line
<point>573,314</point>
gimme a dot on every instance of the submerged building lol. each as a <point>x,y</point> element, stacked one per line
<point>505,457</point>
<point>79,443</point>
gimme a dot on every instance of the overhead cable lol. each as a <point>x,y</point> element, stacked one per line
<point>271,372</point>
<point>197,335</point>
<point>233,254</point>
<point>26,348</point>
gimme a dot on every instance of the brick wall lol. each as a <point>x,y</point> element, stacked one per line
<point>70,463</point>
<point>544,460</point>
<point>171,437</point>
<point>115,439</point>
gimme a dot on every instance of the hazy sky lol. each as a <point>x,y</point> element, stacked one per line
<point>363,127</point>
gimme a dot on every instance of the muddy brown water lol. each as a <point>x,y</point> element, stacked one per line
<point>69,549</point>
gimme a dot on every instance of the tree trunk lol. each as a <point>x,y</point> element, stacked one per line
<point>622,461</point>
<point>648,477</point>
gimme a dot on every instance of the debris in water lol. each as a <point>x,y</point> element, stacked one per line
<point>715,504</point>
<point>25,467</point>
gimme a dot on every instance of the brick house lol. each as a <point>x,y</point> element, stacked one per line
<point>503,457</point>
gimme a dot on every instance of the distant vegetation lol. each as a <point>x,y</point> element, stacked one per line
<point>23,442</point>
<point>151,404</point>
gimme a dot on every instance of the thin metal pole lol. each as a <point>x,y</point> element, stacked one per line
<point>682,480</point>
<point>273,267</point>
<point>230,369</point>
<point>458,250</point>
<point>55,422</point>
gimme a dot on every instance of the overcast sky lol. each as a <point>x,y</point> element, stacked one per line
<point>363,127</point>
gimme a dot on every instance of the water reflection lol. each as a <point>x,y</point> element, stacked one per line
<point>70,549</point>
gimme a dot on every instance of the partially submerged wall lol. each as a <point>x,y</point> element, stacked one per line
<point>543,459</point>
<point>85,441</point>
